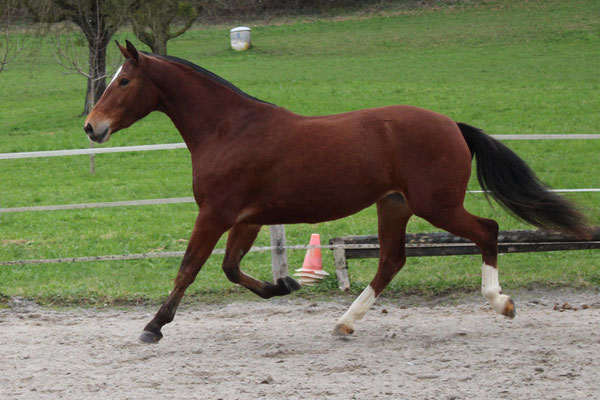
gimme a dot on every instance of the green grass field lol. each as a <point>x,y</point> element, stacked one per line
<point>504,66</point>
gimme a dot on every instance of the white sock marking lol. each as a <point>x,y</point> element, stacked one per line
<point>359,308</point>
<point>490,288</point>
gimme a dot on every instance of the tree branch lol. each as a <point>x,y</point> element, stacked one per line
<point>9,50</point>
<point>188,24</point>
<point>142,34</point>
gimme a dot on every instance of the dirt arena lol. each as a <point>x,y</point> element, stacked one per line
<point>282,349</point>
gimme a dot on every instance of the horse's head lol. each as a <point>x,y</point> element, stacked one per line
<point>130,96</point>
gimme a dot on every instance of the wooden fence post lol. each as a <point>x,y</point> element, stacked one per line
<point>279,253</point>
<point>92,160</point>
<point>91,103</point>
<point>341,268</point>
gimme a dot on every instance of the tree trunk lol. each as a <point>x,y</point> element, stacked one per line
<point>96,73</point>
<point>160,42</point>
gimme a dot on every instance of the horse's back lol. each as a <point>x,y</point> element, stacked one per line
<point>402,126</point>
<point>403,139</point>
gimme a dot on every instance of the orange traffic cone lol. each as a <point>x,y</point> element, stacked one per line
<point>312,267</point>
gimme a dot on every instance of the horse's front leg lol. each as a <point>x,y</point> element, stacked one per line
<point>206,234</point>
<point>239,241</point>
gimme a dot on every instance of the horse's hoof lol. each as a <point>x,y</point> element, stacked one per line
<point>282,287</point>
<point>150,337</point>
<point>290,283</point>
<point>509,309</point>
<point>342,330</point>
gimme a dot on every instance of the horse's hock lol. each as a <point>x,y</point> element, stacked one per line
<point>446,244</point>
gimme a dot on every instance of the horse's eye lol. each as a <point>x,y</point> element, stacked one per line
<point>123,81</point>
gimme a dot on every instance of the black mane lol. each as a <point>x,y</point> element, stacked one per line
<point>213,77</point>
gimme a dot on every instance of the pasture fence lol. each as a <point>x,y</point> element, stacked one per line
<point>181,200</point>
<point>342,247</point>
<point>173,146</point>
<point>447,244</point>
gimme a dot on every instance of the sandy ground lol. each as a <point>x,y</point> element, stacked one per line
<point>282,349</point>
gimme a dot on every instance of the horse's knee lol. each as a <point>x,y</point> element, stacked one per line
<point>185,277</point>
<point>232,272</point>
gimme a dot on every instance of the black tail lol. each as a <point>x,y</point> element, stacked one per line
<point>515,186</point>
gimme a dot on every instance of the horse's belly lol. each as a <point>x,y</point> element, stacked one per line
<point>311,215</point>
<point>312,202</point>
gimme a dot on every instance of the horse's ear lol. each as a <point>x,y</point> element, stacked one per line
<point>133,53</point>
<point>123,49</point>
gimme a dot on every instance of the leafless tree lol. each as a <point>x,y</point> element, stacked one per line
<point>10,45</point>
<point>71,54</point>
<point>98,20</point>
<point>153,22</point>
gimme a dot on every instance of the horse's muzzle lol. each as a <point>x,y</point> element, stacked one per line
<point>100,136</point>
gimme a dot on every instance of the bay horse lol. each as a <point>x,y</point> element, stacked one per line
<point>258,164</point>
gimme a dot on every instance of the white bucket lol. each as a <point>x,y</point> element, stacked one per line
<point>240,38</point>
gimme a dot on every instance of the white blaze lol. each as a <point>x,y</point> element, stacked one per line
<point>115,75</point>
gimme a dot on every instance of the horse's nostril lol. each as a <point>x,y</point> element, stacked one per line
<point>88,129</point>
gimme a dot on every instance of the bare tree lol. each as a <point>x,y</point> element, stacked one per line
<point>152,22</point>
<point>98,20</point>
<point>10,46</point>
<point>72,56</point>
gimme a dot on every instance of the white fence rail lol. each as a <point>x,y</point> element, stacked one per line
<point>171,146</point>
<point>100,150</point>
<point>168,254</point>
<point>148,202</point>
<point>179,200</point>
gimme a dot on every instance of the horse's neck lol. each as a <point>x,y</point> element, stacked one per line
<point>197,105</point>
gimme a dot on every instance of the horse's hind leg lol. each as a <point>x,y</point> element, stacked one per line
<point>239,241</point>
<point>392,214</point>
<point>484,233</point>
